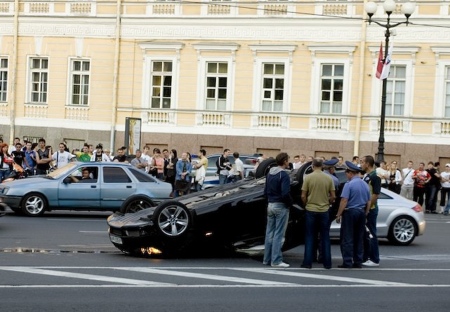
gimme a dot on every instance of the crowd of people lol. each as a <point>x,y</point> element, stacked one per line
<point>354,206</point>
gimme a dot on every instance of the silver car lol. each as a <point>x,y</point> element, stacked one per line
<point>399,220</point>
<point>107,187</point>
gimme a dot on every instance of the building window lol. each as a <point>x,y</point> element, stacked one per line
<point>273,87</point>
<point>395,91</point>
<point>80,74</point>
<point>3,79</point>
<point>39,80</point>
<point>447,91</point>
<point>331,88</point>
<point>216,85</point>
<point>161,95</point>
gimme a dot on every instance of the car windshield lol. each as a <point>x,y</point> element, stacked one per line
<point>62,171</point>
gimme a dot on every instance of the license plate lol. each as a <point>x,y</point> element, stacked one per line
<point>115,239</point>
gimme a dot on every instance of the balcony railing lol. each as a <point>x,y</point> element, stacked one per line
<point>77,112</point>
<point>36,110</point>
<point>175,8</point>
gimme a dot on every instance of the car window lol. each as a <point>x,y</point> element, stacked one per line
<point>115,175</point>
<point>77,174</point>
<point>142,176</point>
<point>384,196</point>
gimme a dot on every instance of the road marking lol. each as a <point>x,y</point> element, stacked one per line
<point>75,220</point>
<point>102,232</point>
<point>237,282</point>
<point>83,276</point>
<point>324,277</point>
<point>205,276</point>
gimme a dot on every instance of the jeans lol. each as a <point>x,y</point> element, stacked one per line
<point>352,234</point>
<point>223,179</point>
<point>317,222</point>
<point>277,220</point>
<point>431,197</point>
<point>4,173</point>
<point>371,251</point>
<point>445,192</point>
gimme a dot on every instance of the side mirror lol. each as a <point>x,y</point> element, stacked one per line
<point>67,180</point>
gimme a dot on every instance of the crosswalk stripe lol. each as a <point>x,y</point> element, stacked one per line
<point>205,276</point>
<point>83,276</point>
<point>322,277</point>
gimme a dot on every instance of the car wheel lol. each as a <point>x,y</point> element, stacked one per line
<point>302,172</point>
<point>263,168</point>
<point>402,231</point>
<point>172,219</point>
<point>34,205</point>
<point>136,203</point>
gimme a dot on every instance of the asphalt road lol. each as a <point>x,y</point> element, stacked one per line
<point>65,262</point>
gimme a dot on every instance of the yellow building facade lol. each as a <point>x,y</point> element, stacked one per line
<point>252,76</point>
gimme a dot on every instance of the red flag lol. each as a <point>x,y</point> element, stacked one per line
<point>380,62</point>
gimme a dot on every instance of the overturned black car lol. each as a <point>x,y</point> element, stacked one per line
<point>231,216</point>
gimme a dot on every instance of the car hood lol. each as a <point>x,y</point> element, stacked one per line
<point>139,218</point>
<point>26,181</point>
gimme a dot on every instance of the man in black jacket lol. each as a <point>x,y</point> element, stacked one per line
<point>223,167</point>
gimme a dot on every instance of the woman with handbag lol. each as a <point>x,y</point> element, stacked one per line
<point>171,169</point>
<point>183,176</point>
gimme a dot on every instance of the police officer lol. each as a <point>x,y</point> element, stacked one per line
<point>355,202</point>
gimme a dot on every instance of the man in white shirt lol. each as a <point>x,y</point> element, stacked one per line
<point>62,157</point>
<point>238,168</point>
<point>139,162</point>
<point>407,189</point>
<point>296,164</point>
<point>383,174</point>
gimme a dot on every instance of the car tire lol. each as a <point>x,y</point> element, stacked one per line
<point>403,231</point>
<point>172,219</point>
<point>34,205</point>
<point>264,167</point>
<point>302,172</point>
<point>136,203</point>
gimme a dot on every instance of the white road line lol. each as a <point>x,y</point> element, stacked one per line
<point>76,220</point>
<point>205,276</point>
<point>102,232</point>
<point>83,276</point>
<point>323,277</point>
<point>420,286</point>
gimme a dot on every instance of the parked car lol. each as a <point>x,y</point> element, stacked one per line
<point>233,216</point>
<point>110,187</point>
<point>212,178</point>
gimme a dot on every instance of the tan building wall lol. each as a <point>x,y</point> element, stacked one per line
<point>246,36</point>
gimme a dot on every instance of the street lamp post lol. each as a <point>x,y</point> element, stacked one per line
<point>389,7</point>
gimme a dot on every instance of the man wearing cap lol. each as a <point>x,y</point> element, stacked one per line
<point>371,252</point>
<point>318,193</point>
<point>355,202</point>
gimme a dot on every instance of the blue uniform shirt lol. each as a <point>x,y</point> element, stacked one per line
<point>357,193</point>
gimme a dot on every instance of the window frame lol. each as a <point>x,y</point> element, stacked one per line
<point>317,81</point>
<point>30,73</point>
<point>72,72</point>
<point>148,77</point>
<point>202,81</point>
<point>332,90</point>
<point>258,84</point>
<point>4,70</point>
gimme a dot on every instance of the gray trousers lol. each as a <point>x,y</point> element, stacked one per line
<point>407,191</point>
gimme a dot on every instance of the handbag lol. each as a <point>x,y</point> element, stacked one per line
<point>182,185</point>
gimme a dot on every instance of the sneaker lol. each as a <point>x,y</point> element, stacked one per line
<point>369,263</point>
<point>280,265</point>
<point>265,263</point>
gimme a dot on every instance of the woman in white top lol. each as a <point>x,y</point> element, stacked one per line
<point>445,190</point>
